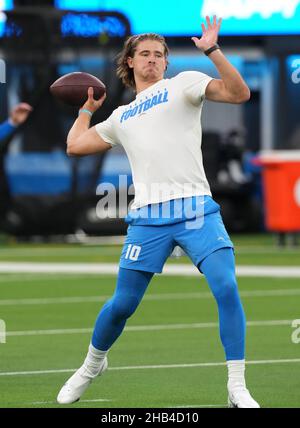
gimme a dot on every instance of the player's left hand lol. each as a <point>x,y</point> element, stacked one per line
<point>209,35</point>
<point>20,113</point>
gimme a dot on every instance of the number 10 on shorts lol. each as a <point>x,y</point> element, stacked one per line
<point>133,252</point>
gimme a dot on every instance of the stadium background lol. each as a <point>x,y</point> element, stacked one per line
<point>58,259</point>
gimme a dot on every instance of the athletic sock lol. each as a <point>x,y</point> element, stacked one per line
<point>92,362</point>
<point>236,374</point>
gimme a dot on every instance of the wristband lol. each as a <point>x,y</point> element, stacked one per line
<point>212,49</point>
<point>85,110</point>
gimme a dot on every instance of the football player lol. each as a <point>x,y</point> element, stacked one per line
<point>160,131</point>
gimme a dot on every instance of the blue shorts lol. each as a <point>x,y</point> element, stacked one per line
<point>147,247</point>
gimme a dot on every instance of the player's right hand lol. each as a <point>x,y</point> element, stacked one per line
<point>91,104</point>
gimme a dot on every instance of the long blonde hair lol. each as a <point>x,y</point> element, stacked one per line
<point>124,72</point>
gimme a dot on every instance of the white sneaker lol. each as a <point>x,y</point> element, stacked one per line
<point>77,384</point>
<point>241,398</point>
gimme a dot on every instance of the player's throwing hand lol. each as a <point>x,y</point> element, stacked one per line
<point>91,104</point>
<point>209,35</point>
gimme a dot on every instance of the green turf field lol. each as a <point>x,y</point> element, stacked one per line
<point>170,353</point>
<point>250,250</point>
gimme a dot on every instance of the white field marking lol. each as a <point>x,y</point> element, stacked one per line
<point>196,406</point>
<point>146,328</point>
<point>112,268</point>
<point>116,250</point>
<point>28,252</point>
<point>160,297</point>
<point>266,250</point>
<point>81,401</point>
<point>86,268</point>
<point>49,276</point>
<point>149,367</point>
<point>54,300</point>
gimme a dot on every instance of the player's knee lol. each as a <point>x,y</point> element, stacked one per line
<point>225,287</point>
<point>123,307</point>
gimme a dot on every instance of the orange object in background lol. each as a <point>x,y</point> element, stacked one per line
<point>281,184</point>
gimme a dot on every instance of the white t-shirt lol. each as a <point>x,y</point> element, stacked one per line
<point>161,133</point>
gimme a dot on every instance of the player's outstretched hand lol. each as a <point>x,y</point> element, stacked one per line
<point>209,35</point>
<point>19,113</point>
<point>91,104</point>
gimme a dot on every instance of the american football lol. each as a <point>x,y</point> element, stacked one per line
<point>72,88</point>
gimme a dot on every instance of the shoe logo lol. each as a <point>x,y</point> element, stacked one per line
<point>221,238</point>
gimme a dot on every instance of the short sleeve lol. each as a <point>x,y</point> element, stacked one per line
<point>106,131</point>
<point>194,84</point>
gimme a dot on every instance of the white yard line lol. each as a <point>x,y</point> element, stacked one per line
<point>149,367</point>
<point>116,250</point>
<point>173,270</point>
<point>192,406</point>
<point>87,268</point>
<point>27,277</point>
<point>98,400</point>
<point>81,401</point>
<point>160,297</point>
<point>269,323</point>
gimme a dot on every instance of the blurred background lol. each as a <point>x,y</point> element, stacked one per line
<point>45,194</point>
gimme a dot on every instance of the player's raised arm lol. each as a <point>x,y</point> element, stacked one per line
<point>81,140</point>
<point>231,88</point>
